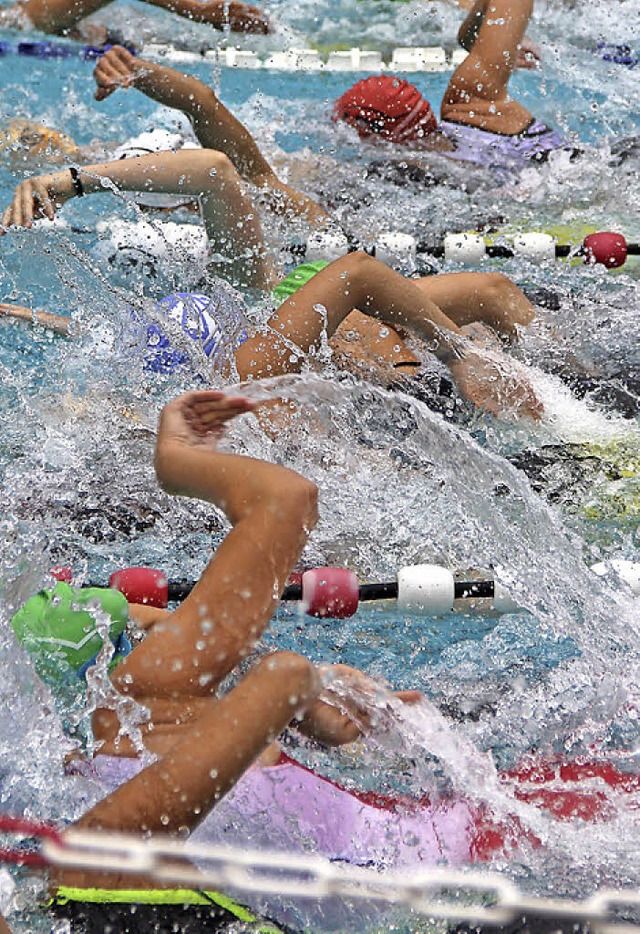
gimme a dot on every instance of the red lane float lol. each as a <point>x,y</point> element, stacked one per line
<point>332,592</point>
<point>142,585</point>
<point>609,249</point>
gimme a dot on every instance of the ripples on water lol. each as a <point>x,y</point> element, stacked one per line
<point>398,485</point>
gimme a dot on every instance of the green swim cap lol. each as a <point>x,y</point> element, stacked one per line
<point>62,637</point>
<point>296,279</point>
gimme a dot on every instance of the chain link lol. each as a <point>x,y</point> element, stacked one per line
<point>461,896</point>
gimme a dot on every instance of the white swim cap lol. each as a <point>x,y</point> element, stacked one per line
<point>156,140</point>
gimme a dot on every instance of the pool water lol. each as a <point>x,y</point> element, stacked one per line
<point>398,485</point>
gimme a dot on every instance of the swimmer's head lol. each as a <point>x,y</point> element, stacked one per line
<point>387,107</point>
<point>35,139</point>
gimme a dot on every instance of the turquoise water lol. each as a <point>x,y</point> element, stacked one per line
<point>397,484</point>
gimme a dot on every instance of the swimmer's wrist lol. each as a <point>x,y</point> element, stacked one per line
<point>449,349</point>
<point>76,181</point>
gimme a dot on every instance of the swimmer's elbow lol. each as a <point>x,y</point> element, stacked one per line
<point>306,501</point>
<point>292,499</point>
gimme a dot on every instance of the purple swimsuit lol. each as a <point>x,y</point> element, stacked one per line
<point>498,151</point>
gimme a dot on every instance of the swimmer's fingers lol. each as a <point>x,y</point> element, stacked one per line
<point>13,214</point>
<point>245,18</point>
<point>41,200</point>
<point>528,54</point>
<point>196,417</point>
<point>114,70</point>
<point>211,415</point>
<point>30,199</point>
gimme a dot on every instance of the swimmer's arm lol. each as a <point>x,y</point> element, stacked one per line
<point>239,17</point>
<point>528,53</point>
<point>185,172</point>
<point>45,319</point>
<point>477,93</point>
<point>492,33</point>
<point>468,32</point>
<point>215,126</point>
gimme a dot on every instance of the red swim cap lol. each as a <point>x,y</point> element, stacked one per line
<point>388,107</point>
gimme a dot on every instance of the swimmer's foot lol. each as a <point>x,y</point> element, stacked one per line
<point>198,418</point>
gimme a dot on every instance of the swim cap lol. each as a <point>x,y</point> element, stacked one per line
<point>388,107</point>
<point>157,140</point>
<point>215,326</point>
<point>296,279</point>
<point>61,635</point>
<point>37,138</point>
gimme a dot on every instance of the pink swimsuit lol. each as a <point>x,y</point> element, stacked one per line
<point>288,807</point>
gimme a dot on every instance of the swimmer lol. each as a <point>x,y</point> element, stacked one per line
<point>64,17</point>
<point>215,127</point>
<point>484,375</point>
<point>481,123</point>
<point>203,744</point>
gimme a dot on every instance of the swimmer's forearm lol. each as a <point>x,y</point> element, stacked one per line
<point>184,172</point>
<point>169,86</point>
<point>239,17</point>
<point>45,319</point>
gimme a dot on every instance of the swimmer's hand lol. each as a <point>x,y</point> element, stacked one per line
<point>36,198</point>
<point>117,68</point>
<point>198,418</point>
<point>343,717</point>
<point>495,385</point>
<point>245,18</point>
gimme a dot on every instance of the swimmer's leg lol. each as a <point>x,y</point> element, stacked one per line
<point>271,509</point>
<point>488,297</point>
